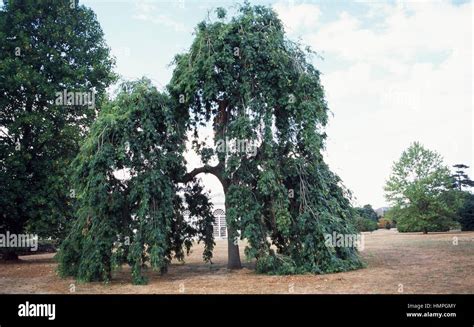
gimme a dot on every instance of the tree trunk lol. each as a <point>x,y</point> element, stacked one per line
<point>233,259</point>
<point>233,254</point>
<point>9,255</point>
<point>220,123</point>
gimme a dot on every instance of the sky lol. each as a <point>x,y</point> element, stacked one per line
<point>393,72</point>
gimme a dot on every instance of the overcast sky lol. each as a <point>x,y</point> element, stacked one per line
<point>394,72</point>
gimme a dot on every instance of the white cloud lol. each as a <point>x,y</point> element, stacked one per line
<point>423,29</point>
<point>406,77</point>
<point>298,17</point>
<point>149,12</point>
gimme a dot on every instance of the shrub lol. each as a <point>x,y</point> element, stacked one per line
<point>384,223</point>
<point>364,225</point>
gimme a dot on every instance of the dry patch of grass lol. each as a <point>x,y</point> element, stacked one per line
<point>412,262</point>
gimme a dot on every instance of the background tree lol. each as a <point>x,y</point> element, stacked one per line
<point>46,47</point>
<point>244,78</point>
<point>365,218</point>
<point>466,213</point>
<point>388,221</point>
<point>461,178</point>
<point>363,224</point>
<point>419,189</point>
<point>367,212</point>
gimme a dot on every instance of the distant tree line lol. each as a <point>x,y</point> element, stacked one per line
<point>365,218</point>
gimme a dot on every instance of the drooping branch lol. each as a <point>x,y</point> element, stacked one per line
<point>220,122</point>
<point>214,170</point>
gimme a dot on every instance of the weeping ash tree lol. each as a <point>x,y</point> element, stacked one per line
<point>257,88</point>
<point>265,103</point>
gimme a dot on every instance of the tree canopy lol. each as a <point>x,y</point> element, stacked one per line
<point>466,213</point>
<point>47,47</point>
<point>368,212</point>
<point>420,189</point>
<point>253,86</point>
<point>461,179</point>
<point>366,218</point>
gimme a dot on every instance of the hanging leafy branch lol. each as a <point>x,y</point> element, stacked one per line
<point>127,176</point>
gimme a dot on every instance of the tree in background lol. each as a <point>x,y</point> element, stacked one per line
<point>461,178</point>
<point>466,213</point>
<point>366,219</point>
<point>367,212</point>
<point>244,78</point>
<point>363,224</point>
<point>47,47</point>
<point>420,190</point>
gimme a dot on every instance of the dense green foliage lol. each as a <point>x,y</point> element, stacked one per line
<point>45,47</point>
<point>368,212</point>
<point>420,190</point>
<point>365,218</point>
<point>126,179</point>
<point>363,224</point>
<point>466,213</point>
<point>243,76</point>
<point>461,179</point>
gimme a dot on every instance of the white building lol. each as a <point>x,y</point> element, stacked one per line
<point>220,224</point>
